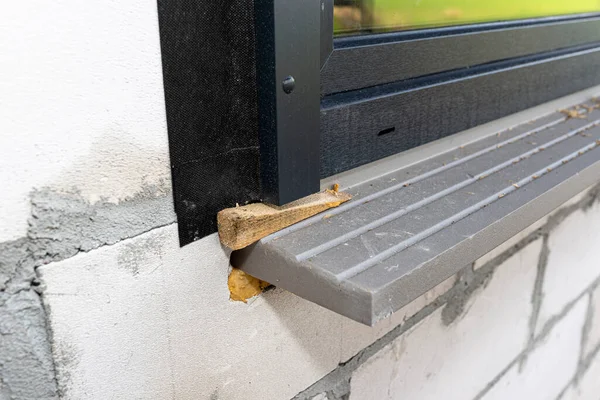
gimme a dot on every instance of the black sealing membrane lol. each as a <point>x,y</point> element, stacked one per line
<point>208,56</point>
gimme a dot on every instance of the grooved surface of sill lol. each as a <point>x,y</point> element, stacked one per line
<point>409,229</point>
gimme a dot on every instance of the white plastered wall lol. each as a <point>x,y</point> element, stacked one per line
<point>81,102</point>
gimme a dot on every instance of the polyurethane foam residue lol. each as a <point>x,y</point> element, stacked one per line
<point>243,286</point>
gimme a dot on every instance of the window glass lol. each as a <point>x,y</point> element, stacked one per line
<point>370,16</point>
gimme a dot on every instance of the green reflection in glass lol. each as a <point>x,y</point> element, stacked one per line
<point>369,16</point>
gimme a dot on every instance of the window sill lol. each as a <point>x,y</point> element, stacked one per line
<point>418,217</point>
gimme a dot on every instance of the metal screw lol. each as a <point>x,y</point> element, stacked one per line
<point>289,83</point>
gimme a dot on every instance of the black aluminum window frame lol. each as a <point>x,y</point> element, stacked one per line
<point>381,94</point>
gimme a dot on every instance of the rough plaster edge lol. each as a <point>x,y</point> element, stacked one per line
<point>336,384</point>
<point>50,338</point>
<point>62,225</point>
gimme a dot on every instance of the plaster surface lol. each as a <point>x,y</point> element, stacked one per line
<point>81,103</point>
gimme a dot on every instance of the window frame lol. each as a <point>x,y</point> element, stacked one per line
<point>381,94</point>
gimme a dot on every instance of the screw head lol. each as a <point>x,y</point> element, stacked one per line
<point>289,83</point>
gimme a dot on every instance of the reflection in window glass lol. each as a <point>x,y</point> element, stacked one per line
<point>369,16</point>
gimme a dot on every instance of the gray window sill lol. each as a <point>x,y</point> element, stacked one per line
<point>418,217</point>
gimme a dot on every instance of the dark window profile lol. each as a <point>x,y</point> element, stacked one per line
<point>431,83</point>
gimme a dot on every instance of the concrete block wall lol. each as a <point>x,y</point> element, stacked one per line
<point>83,156</point>
<point>97,300</point>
